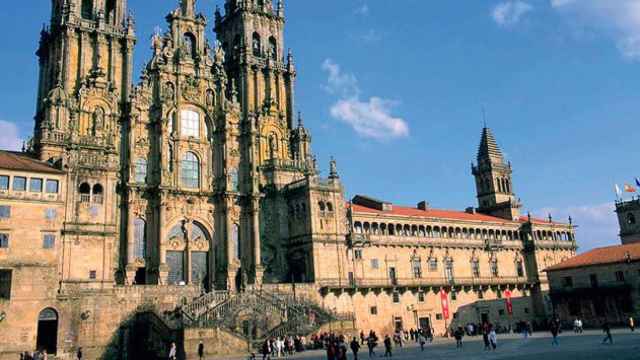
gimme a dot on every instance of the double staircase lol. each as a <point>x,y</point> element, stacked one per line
<point>257,315</point>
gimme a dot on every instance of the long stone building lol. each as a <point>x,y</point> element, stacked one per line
<point>134,203</point>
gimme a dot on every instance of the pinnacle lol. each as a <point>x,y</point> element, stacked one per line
<point>488,149</point>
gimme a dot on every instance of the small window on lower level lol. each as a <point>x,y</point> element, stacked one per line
<point>480,294</point>
<point>19,183</point>
<point>438,316</point>
<point>5,284</point>
<point>357,254</point>
<point>52,186</point>
<point>420,296</point>
<point>396,297</point>
<point>4,241</point>
<point>5,211</point>
<point>93,274</point>
<point>4,182</point>
<point>373,310</point>
<point>49,241</point>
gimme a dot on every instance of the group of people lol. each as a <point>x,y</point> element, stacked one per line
<point>35,355</point>
<point>282,346</point>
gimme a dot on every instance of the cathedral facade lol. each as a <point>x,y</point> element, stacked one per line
<point>200,178</point>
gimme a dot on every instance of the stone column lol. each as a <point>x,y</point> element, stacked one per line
<point>257,256</point>
<point>163,269</point>
<point>130,268</point>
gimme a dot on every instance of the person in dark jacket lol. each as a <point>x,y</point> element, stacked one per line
<point>387,346</point>
<point>201,351</point>
<point>458,334</point>
<point>355,347</point>
<point>607,331</point>
<point>79,353</point>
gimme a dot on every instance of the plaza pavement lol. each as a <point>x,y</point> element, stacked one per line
<point>586,346</point>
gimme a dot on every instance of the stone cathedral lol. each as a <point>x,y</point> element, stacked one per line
<point>142,210</point>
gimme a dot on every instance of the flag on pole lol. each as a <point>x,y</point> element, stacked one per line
<point>618,191</point>
<point>629,188</point>
<point>638,182</point>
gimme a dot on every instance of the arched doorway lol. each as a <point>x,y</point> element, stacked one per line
<point>47,331</point>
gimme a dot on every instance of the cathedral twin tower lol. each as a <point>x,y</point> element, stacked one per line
<point>177,179</point>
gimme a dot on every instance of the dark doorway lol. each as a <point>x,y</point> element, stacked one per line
<point>141,276</point>
<point>47,338</point>
<point>424,323</point>
<point>484,317</point>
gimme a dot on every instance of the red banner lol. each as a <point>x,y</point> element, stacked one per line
<point>507,295</point>
<point>444,299</point>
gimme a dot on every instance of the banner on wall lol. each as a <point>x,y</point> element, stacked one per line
<point>508,303</point>
<point>444,299</point>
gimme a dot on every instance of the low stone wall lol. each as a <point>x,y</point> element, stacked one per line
<point>217,342</point>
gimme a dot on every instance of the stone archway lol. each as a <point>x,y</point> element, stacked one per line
<point>47,338</point>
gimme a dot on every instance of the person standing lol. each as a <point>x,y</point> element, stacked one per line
<point>387,346</point>
<point>201,350</point>
<point>355,347</point>
<point>79,353</point>
<point>485,336</point>
<point>607,332</point>
<point>266,350</point>
<point>458,334</point>
<point>371,344</point>
<point>421,340</point>
<point>632,324</point>
<point>173,352</point>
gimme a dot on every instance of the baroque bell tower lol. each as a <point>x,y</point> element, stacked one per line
<point>86,59</point>
<point>493,180</point>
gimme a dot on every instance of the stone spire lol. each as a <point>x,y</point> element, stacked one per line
<point>489,151</point>
<point>333,169</point>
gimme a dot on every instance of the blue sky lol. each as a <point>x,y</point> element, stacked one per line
<point>394,90</point>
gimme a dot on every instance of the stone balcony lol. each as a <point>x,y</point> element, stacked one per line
<point>424,282</point>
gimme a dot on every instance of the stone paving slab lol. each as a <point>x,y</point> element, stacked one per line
<point>586,346</point>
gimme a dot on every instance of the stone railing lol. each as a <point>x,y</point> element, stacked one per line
<point>205,303</point>
<point>422,282</point>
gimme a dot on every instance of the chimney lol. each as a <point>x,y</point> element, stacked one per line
<point>423,205</point>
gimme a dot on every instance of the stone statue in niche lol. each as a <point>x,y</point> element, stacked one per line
<point>210,98</point>
<point>273,146</point>
<point>97,121</point>
<point>169,92</point>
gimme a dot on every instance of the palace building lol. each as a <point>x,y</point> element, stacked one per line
<point>142,210</point>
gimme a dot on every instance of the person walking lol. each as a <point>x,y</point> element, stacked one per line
<point>355,347</point>
<point>607,331</point>
<point>201,350</point>
<point>554,333</point>
<point>387,346</point>
<point>371,344</point>
<point>421,340</point>
<point>632,324</point>
<point>266,350</point>
<point>173,352</point>
<point>485,336</point>
<point>458,334</point>
<point>79,354</point>
<point>493,339</point>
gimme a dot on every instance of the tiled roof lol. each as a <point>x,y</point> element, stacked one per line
<point>10,160</point>
<point>601,256</point>
<point>441,214</point>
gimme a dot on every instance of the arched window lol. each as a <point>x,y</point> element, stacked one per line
<point>110,11</point>
<point>256,45</point>
<point>139,238</point>
<point>631,219</point>
<point>140,171</point>
<point>86,10</point>
<point>329,207</point>
<point>97,194</point>
<point>321,206</point>
<point>190,124</point>
<point>85,192</point>
<point>189,44</point>
<point>190,171</point>
<point>273,48</point>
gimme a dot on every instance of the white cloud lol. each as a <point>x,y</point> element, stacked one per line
<point>618,19</point>
<point>371,36</point>
<point>372,118</point>
<point>10,136</point>
<point>362,10</point>
<point>597,224</point>
<point>509,13</point>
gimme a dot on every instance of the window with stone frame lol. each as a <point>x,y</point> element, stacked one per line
<point>416,266</point>
<point>189,124</point>
<point>19,183</point>
<point>140,171</point>
<point>375,264</point>
<point>190,171</point>
<point>475,268</point>
<point>52,186</point>
<point>4,241</point>
<point>519,268</point>
<point>35,185</point>
<point>5,211</point>
<point>49,241</point>
<point>494,267</point>
<point>433,264</point>
<point>4,182</point>
<point>5,284</point>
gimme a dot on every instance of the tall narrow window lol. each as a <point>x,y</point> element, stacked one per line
<point>4,182</point>
<point>475,268</point>
<point>110,11</point>
<point>4,241</point>
<point>190,124</point>
<point>141,171</point>
<point>256,45</point>
<point>140,238</point>
<point>85,192</point>
<point>190,172</point>
<point>494,267</point>
<point>97,194</point>
<point>417,267</point>
<point>86,11</point>
<point>5,284</point>
<point>49,241</point>
<point>235,237</point>
<point>519,268</point>
<point>35,185</point>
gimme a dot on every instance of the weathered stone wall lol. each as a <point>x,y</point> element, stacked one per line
<point>217,342</point>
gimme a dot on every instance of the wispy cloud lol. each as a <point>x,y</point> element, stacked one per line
<point>372,118</point>
<point>362,10</point>
<point>597,224</point>
<point>371,36</point>
<point>617,19</point>
<point>510,13</point>
<point>10,136</point>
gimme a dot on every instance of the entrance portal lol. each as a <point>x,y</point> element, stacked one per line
<point>47,331</point>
